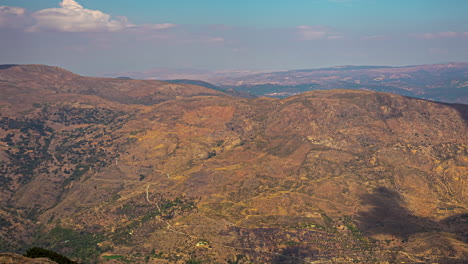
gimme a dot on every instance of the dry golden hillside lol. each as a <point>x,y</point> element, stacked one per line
<point>146,171</point>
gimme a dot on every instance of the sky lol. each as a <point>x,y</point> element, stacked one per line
<point>93,37</point>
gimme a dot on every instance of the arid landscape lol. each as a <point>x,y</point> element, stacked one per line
<point>233,132</point>
<point>142,171</point>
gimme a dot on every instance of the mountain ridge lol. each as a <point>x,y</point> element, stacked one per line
<point>445,82</point>
<point>437,82</point>
<point>333,175</point>
<point>58,80</point>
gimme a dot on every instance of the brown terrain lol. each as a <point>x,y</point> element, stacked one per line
<point>11,258</point>
<point>152,172</point>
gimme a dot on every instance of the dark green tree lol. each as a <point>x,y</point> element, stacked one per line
<point>37,252</point>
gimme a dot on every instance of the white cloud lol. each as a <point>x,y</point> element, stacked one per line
<point>448,34</point>
<point>438,35</point>
<point>158,26</point>
<point>215,40</point>
<point>335,37</point>
<point>10,16</point>
<point>317,32</point>
<point>375,37</point>
<point>11,10</point>
<point>72,17</point>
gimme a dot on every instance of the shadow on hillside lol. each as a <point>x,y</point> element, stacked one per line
<point>462,109</point>
<point>294,255</point>
<point>7,66</point>
<point>387,215</point>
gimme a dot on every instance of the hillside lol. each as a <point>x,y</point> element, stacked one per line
<point>45,81</point>
<point>147,171</point>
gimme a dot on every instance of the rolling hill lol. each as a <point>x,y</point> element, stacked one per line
<point>144,171</point>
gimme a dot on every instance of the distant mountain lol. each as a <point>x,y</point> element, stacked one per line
<point>230,91</point>
<point>438,82</point>
<point>196,82</point>
<point>140,171</point>
<point>188,74</point>
<point>343,68</point>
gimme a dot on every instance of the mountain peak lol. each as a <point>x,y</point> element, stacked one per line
<point>35,78</point>
<point>34,68</point>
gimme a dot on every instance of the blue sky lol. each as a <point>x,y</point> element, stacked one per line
<point>353,14</point>
<point>95,36</point>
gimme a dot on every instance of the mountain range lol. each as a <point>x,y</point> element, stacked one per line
<point>143,171</point>
<point>438,82</point>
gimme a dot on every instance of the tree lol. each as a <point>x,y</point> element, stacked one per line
<point>37,252</point>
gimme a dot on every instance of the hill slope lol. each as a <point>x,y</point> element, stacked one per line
<point>48,80</point>
<point>338,175</point>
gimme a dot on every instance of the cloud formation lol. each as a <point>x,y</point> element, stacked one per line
<point>375,37</point>
<point>438,35</point>
<point>69,17</point>
<point>72,17</point>
<point>10,16</point>
<point>11,10</point>
<point>317,33</point>
<point>157,26</point>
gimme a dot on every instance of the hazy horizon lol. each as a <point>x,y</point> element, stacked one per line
<point>96,37</point>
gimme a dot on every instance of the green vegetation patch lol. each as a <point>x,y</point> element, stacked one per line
<point>108,257</point>
<point>73,243</point>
